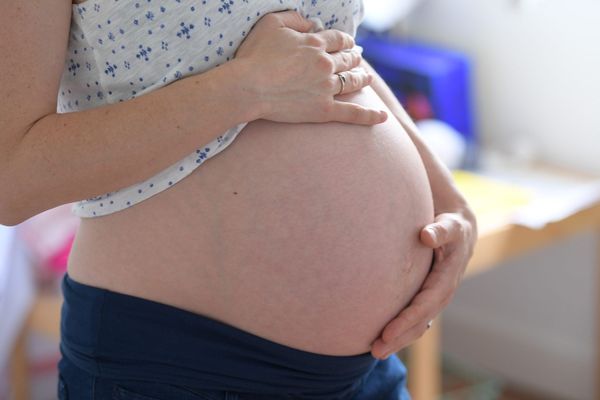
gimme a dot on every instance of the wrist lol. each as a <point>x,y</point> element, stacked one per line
<point>229,86</point>
<point>448,198</point>
<point>468,214</point>
<point>246,89</point>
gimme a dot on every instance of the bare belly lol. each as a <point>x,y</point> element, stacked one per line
<point>304,234</point>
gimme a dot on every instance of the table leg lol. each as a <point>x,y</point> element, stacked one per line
<point>597,316</point>
<point>19,373</point>
<point>425,366</point>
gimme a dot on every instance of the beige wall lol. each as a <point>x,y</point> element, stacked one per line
<point>537,83</point>
<point>537,65</point>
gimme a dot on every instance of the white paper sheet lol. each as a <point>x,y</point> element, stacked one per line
<point>557,195</point>
<point>558,205</point>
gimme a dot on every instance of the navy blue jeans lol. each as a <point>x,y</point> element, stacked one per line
<point>120,347</point>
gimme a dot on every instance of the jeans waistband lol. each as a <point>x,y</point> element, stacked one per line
<point>119,336</point>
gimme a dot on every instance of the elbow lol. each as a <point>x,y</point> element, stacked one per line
<point>12,214</point>
<point>14,203</point>
<point>9,215</point>
<point>11,210</point>
<point>9,222</point>
<point>9,218</point>
<point>15,207</point>
<point>20,199</point>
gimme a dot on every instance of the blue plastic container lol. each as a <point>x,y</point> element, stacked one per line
<point>442,75</point>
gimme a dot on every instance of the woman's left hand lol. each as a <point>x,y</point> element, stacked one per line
<point>452,238</point>
<point>452,235</point>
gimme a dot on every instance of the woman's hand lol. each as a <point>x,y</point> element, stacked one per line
<point>452,236</point>
<point>291,72</point>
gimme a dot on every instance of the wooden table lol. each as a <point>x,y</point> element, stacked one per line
<point>496,245</point>
<point>43,318</point>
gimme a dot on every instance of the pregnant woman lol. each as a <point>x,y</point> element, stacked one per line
<point>260,219</point>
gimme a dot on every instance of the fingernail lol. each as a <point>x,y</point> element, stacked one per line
<point>431,232</point>
<point>386,352</point>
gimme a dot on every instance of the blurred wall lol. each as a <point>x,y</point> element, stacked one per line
<point>537,70</point>
<point>537,81</point>
<point>532,320</point>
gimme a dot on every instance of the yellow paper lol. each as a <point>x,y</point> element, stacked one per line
<point>493,201</point>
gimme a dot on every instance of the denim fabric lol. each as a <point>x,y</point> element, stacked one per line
<point>120,347</point>
<point>75,384</point>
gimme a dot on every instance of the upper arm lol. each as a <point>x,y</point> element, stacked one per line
<point>33,48</point>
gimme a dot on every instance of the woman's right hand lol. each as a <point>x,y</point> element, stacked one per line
<point>291,73</point>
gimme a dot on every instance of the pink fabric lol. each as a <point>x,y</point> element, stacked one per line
<point>49,236</point>
<point>58,261</point>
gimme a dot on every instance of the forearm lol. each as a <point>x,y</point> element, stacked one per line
<point>68,157</point>
<point>442,184</point>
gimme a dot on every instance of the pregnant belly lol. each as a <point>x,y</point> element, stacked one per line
<point>305,234</point>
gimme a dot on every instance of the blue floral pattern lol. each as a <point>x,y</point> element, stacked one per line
<point>121,49</point>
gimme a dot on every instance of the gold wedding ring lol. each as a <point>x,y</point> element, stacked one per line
<point>342,80</point>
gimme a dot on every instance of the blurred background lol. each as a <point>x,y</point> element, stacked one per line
<point>504,91</point>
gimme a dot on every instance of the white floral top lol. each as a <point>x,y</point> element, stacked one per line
<point>120,49</point>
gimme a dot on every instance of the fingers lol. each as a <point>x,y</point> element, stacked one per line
<point>444,277</point>
<point>384,350</point>
<point>410,317</point>
<point>443,230</point>
<point>356,114</point>
<point>346,60</point>
<point>291,19</point>
<point>434,295</point>
<point>354,80</point>
<point>428,237</point>
<point>330,40</point>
